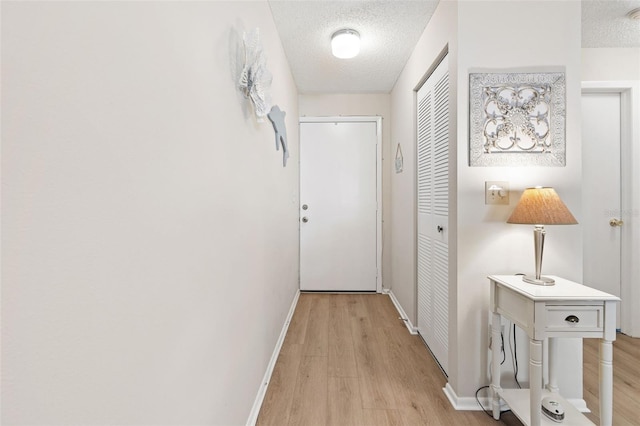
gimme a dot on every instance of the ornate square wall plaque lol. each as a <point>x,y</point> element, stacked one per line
<point>517,119</point>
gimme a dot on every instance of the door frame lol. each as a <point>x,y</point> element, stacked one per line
<point>358,119</point>
<point>629,195</point>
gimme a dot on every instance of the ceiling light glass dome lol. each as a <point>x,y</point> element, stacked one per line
<point>345,44</point>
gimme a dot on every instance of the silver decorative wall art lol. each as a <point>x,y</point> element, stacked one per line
<point>517,119</point>
<point>255,78</point>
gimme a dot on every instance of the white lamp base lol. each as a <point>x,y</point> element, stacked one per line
<point>538,281</point>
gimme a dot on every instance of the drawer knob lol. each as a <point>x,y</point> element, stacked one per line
<point>572,319</point>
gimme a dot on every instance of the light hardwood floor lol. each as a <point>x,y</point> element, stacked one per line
<point>626,380</point>
<point>348,360</point>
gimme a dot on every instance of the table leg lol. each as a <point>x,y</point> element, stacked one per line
<point>606,383</point>
<point>553,366</point>
<point>496,339</point>
<point>535,380</point>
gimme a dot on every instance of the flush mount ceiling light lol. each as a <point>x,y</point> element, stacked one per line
<point>345,44</point>
<point>634,14</point>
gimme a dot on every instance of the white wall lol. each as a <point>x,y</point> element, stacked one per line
<point>378,104</point>
<point>484,243</point>
<point>149,229</point>
<point>611,64</point>
<point>439,35</point>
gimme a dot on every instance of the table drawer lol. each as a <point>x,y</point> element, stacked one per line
<point>574,318</point>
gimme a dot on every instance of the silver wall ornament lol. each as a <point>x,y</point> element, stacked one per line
<point>255,78</point>
<point>517,119</point>
<point>399,159</point>
<point>276,116</point>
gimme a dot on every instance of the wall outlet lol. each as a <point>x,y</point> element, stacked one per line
<point>496,192</point>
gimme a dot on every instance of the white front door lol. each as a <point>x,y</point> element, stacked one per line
<point>601,193</point>
<point>339,181</point>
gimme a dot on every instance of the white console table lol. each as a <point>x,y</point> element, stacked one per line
<point>567,309</point>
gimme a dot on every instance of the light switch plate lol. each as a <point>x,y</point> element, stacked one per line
<point>496,192</point>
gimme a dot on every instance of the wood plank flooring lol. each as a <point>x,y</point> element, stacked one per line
<point>348,360</point>
<point>626,380</point>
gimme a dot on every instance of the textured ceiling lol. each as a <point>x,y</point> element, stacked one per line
<point>389,31</point>
<point>605,24</point>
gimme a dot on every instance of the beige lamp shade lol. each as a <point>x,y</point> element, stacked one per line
<point>541,206</point>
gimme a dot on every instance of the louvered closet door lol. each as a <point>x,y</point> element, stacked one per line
<point>433,211</point>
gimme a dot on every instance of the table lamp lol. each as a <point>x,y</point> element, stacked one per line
<point>540,206</point>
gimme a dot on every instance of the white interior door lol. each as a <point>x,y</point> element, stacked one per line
<point>601,193</point>
<point>433,212</point>
<point>338,211</point>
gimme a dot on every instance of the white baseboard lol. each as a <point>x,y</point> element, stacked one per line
<point>580,404</point>
<point>470,403</point>
<point>255,410</point>
<point>466,403</point>
<point>403,314</point>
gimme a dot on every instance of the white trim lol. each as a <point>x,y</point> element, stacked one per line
<point>580,404</point>
<point>403,315</point>
<point>340,119</point>
<point>378,121</point>
<point>630,195</point>
<point>469,403</point>
<point>262,391</point>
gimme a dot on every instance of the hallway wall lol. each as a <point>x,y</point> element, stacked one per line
<point>611,64</point>
<point>486,243</point>
<point>481,242</point>
<point>149,230</point>
<point>439,36</point>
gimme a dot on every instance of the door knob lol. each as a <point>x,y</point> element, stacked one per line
<point>615,222</point>
<point>305,219</point>
<point>304,207</point>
